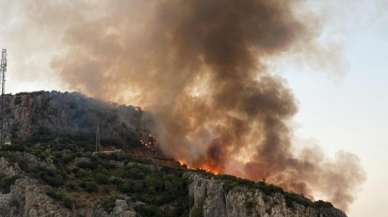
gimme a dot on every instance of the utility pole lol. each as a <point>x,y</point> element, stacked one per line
<point>98,138</point>
<point>3,70</point>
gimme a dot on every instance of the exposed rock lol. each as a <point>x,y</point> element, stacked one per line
<point>39,115</point>
<point>210,198</point>
<point>122,209</point>
<point>28,199</point>
<point>9,169</point>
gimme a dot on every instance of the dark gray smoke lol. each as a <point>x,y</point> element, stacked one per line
<point>199,66</point>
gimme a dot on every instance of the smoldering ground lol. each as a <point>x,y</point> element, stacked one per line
<point>199,66</point>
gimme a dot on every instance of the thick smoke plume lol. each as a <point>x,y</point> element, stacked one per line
<point>199,66</point>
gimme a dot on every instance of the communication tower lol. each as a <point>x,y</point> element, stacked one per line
<point>3,70</point>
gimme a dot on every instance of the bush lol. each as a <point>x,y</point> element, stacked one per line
<point>269,189</point>
<point>115,180</point>
<point>61,197</point>
<point>154,184</point>
<point>149,211</point>
<point>13,148</point>
<point>72,187</point>
<point>109,203</point>
<point>292,199</point>
<point>6,182</point>
<point>89,186</point>
<point>322,204</point>
<point>197,212</point>
<point>81,173</point>
<point>87,165</point>
<point>50,176</point>
<point>68,157</point>
<point>137,186</point>
<point>125,187</point>
<point>134,172</point>
<point>101,178</point>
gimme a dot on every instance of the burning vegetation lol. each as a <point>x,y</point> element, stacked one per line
<point>199,67</point>
<point>205,167</point>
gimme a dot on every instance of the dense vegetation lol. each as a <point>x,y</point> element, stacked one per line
<point>79,177</point>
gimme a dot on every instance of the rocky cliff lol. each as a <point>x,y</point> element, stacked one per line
<point>212,199</point>
<point>54,173</point>
<point>47,115</point>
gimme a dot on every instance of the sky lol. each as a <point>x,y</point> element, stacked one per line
<point>342,107</point>
<point>349,111</point>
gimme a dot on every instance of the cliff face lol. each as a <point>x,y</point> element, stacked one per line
<point>50,170</point>
<point>211,199</point>
<point>46,115</point>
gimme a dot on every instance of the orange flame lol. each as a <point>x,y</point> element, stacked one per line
<point>204,166</point>
<point>210,168</point>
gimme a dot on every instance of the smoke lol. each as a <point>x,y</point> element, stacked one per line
<point>199,66</point>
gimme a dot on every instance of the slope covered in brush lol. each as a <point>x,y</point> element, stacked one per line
<point>70,181</point>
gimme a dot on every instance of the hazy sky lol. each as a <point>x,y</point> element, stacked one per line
<point>350,112</point>
<point>343,107</point>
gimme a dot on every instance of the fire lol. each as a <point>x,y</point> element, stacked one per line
<point>210,168</point>
<point>148,140</point>
<point>204,166</point>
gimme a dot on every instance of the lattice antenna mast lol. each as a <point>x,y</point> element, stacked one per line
<point>3,70</point>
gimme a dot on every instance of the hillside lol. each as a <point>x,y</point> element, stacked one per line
<point>52,115</point>
<point>52,169</point>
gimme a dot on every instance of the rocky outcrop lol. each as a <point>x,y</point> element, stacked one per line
<point>210,199</point>
<point>26,198</point>
<point>121,209</point>
<point>46,115</point>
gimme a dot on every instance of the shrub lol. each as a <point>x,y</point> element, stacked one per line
<point>68,157</point>
<point>174,188</point>
<point>61,197</point>
<point>292,199</point>
<point>137,186</point>
<point>197,212</point>
<point>81,173</point>
<point>322,204</point>
<point>115,180</point>
<point>89,186</point>
<point>101,178</point>
<point>13,148</point>
<point>50,176</point>
<point>68,203</point>
<point>6,182</point>
<point>134,172</point>
<point>87,165</point>
<point>269,189</point>
<point>149,211</point>
<point>125,187</point>
<point>72,187</point>
<point>154,183</point>
<point>109,203</point>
